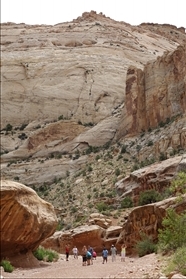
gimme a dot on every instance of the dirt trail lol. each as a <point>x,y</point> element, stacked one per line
<point>144,267</point>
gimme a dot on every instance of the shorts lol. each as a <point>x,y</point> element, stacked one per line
<point>84,258</point>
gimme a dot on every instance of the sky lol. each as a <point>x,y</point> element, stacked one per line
<point>133,12</point>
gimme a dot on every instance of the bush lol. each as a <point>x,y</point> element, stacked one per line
<point>178,185</point>
<point>7,266</point>
<point>162,157</point>
<point>127,202</point>
<point>179,259</point>
<point>117,172</point>
<point>145,246</point>
<point>102,206</point>
<point>22,136</point>
<point>123,149</point>
<point>23,126</point>
<point>60,117</point>
<point>149,196</point>
<point>46,255</point>
<point>173,233</point>
<point>8,127</point>
<point>177,262</point>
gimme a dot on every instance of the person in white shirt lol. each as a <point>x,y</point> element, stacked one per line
<point>75,252</point>
<point>113,252</point>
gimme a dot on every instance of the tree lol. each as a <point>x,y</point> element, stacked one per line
<point>173,233</point>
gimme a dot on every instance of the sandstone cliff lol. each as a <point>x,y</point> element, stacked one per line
<point>86,83</point>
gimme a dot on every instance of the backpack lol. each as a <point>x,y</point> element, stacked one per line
<point>88,254</point>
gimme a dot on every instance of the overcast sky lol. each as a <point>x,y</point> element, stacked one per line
<point>133,12</point>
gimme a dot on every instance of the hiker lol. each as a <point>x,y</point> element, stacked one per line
<point>123,252</point>
<point>105,255</point>
<point>89,257</point>
<point>90,249</point>
<point>67,248</point>
<point>84,257</point>
<point>113,252</point>
<point>94,255</point>
<point>75,252</point>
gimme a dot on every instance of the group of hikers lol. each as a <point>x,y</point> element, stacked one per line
<point>88,254</point>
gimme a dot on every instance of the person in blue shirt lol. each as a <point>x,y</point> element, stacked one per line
<point>105,255</point>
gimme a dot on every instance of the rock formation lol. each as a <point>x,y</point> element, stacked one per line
<point>98,232</point>
<point>147,219</point>
<point>157,176</point>
<point>26,220</point>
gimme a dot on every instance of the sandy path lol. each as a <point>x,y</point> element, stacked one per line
<point>145,267</point>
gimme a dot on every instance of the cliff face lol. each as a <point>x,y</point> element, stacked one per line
<point>154,94</point>
<point>86,83</point>
<point>79,70</point>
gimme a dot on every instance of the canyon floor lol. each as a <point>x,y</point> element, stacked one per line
<point>148,266</point>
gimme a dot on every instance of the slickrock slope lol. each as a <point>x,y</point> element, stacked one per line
<point>26,220</point>
<point>76,69</point>
<point>101,80</point>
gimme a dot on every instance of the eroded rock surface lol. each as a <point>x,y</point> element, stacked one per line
<point>148,219</point>
<point>157,176</point>
<point>92,234</point>
<point>26,220</point>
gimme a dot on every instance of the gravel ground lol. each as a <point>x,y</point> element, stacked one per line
<point>144,267</point>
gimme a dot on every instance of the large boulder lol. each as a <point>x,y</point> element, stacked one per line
<point>26,220</point>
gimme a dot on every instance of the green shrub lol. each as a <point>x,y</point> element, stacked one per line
<point>127,202</point>
<point>8,127</point>
<point>119,157</point>
<point>7,266</point>
<point>179,259</point>
<point>46,255</point>
<point>90,168</point>
<point>16,178</point>
<point>177,262</point>
<point>88,196</point>
<point>145,246</point>
<point>150,143</point>
<point>149,196</point>
<point>60,117</point>
<point>73,209</point>
<point>60,226</point>
<point>22,136</point>
<point>173,233</point>
<point>102,206</point>
<point>178,185</point>
<point>123,149</point>
<point>117,172</point>
<point>162,156</point>
<point>23,126</point>
<point>97,157</point>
